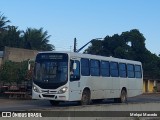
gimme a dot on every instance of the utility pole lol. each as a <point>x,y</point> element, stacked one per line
<point>75,45</point>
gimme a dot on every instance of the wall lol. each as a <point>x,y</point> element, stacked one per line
<point>18,54</point>
<point>0,61</point>
<point>150,85</point>
<point>145,89</point>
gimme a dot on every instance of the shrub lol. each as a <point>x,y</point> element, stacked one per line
<point>13,72</point>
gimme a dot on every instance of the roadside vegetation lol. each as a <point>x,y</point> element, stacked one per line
<point>14,72</point>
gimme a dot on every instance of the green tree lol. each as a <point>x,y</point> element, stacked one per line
<point>13,38</point>
<point>37,39</point>
<point>137,44</point>
<point>3,26</point>
<point>96,47</point>
<point>9,35</point>
<point>3,22</point>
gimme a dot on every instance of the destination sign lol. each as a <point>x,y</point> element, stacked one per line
<point>55,56</point>
<point>46,56</point>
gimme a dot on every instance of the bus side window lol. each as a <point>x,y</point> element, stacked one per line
<point>105,69</point>
<point>94,67</point>
<point>130,70</point>
<point>138,71</point>
<point>75,73</point>
<point>114,69</point>
<point>122,70</point>
<point>85,71</point>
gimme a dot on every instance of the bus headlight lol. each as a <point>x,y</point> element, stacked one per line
<point>36,89</point>
<point>63,90</point>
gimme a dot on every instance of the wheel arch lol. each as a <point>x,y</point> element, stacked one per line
<point>87,88</point>
<point>123,88</point>
<point>86,96</point>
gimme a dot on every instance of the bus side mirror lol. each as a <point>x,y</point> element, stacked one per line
<point>74,66</point>
<point>30,63</point>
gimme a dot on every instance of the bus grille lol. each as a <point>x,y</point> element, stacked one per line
<point>49,91</point>
<point>48,95</point>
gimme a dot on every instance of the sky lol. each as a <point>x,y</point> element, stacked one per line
<point>86,19</point>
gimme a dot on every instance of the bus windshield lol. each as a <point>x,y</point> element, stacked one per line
<point>49,71</point>
<point>51,68</point>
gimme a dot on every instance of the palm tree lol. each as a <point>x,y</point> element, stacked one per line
<point>12,38</point>
<point>3,31</point>
<point>36,39</point>
<point>3,21</point>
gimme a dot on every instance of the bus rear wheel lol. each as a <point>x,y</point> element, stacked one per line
<point>123,97</point>
<point>85,100</point>
<point>54,103</point>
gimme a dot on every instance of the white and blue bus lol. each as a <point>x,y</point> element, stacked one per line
<point>69,76</point>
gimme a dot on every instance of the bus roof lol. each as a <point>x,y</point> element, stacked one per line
<point>97,57</point>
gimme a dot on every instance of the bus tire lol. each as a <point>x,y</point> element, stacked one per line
<point>54,103</point>
<point>123,96</point>
<point>85,100</point>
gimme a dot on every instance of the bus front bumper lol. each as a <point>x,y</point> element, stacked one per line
<point>47,96</point>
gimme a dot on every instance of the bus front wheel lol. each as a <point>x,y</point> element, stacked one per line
<point>85,100</point>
